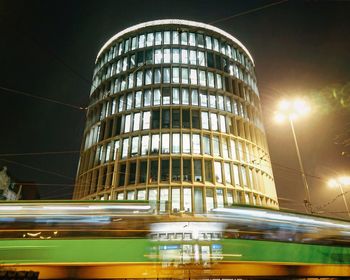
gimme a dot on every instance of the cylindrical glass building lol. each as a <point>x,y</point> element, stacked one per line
<point>175,118</point>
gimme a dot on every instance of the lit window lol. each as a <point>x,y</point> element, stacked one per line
<point>236,175</point>
<point>208,42</point>
<point>216,44</point>
<point>244,176</point>
<point>209,199</point>
<point>222,123</point>
<point>150,38</point>
<point>227,173</point>
<point>142,41</point>
<point>176,75</point>
<point>186,143</point>
<point>184,39</point>
<point>217,169</point>
<point>166,75</point>
<point>193,76</point>
<point>176,143</point>
<point>184,75</point>
<point>187,199</point>
<point>194,97</point>
<point>214,121</point>
<point>157,56</point>
<point>166,55</point>
<point>211,79</point>
<point>176,56</point>
<point>139,78</point>
<point>202,78</point>
<point>212,101</point>
<point>196,143</point>
<point>166,37</point>
<point>125,147</point>
<point>141,194</point>
<point>229,198</point>
<point>193,58</point>
<point>156,97</point>
<point>175,37</point>
<point>165,143</point>
<point>176,94</point>
<point>136,122</point>
<point>148,78</point>
<point>127,123</point>
<point>206,145</point>
<point>201,58</point>
<point>175,199</point>
<point>132,61</point>
<point>184,56</point>
<point>218,81</point>
<point>153,195</point>
<point>216,146</point>
<point>197,170</point>
<point>158,39</point>
<point>125,63</point>
<point>138,97</point>
<point>204,99</point>
<point>146,120</point>
<point>135,146</point>
<point>155,144</point>
<point>221,102</point>
<point>185,96</point>
<point>164,174</point>
<point>144,145</point>
<point>147,97</point>
<point>205,120</point>
<point>220,197</point>
<point>131,80</point>
<point>192,39</point>
<point>157,76</point>
<point>134,43</point>
<point>164,199</point>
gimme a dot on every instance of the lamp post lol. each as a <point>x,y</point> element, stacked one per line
<point>290,111</point>
<point>340,182</point>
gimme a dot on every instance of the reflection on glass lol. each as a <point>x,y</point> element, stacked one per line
<point>164,200</point>
<point>175,199</point>
<point>187,199</point>
<point>209,199</point>
<point>217,169</point>
<point>155,144</point>
<point>144,145</point>
<point>176,143</point>
<point>165,143</point>
<point>186,145</point>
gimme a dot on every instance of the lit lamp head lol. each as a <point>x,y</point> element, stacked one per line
<point>291,110</point>
<point>341,181</point>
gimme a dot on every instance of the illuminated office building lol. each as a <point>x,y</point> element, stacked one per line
<point>175,118</point>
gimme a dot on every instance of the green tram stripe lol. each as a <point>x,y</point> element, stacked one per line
<point>137,250</point>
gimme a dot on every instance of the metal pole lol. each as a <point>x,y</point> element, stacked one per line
<point>346,204</point>
<point>306,186</point>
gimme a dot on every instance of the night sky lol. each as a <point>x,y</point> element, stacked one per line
<point>301,48</point>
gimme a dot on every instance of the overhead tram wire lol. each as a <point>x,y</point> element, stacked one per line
<point>248,12</point>
<point>37,169</point>
<point>38,153</point>
<point>41,98</point>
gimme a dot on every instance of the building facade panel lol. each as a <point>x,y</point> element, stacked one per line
<point>175,118</point>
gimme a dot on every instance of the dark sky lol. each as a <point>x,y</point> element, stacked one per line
<point>301,48</point>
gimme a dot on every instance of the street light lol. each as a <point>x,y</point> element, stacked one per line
<point>290,111</point>
<point>340,182</point>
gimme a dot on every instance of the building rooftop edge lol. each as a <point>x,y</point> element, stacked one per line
<point>174,21</point>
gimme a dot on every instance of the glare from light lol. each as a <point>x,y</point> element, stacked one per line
<point>284,105</point>
<point>332,183</point>
<point>301,107</point>
<point>344,180</point>
<point>291,110</point>
<point>280,117</point>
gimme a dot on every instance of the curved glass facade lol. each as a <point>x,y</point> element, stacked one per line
<point>175,118</point>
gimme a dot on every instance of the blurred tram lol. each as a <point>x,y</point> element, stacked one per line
<point>130,233</point>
